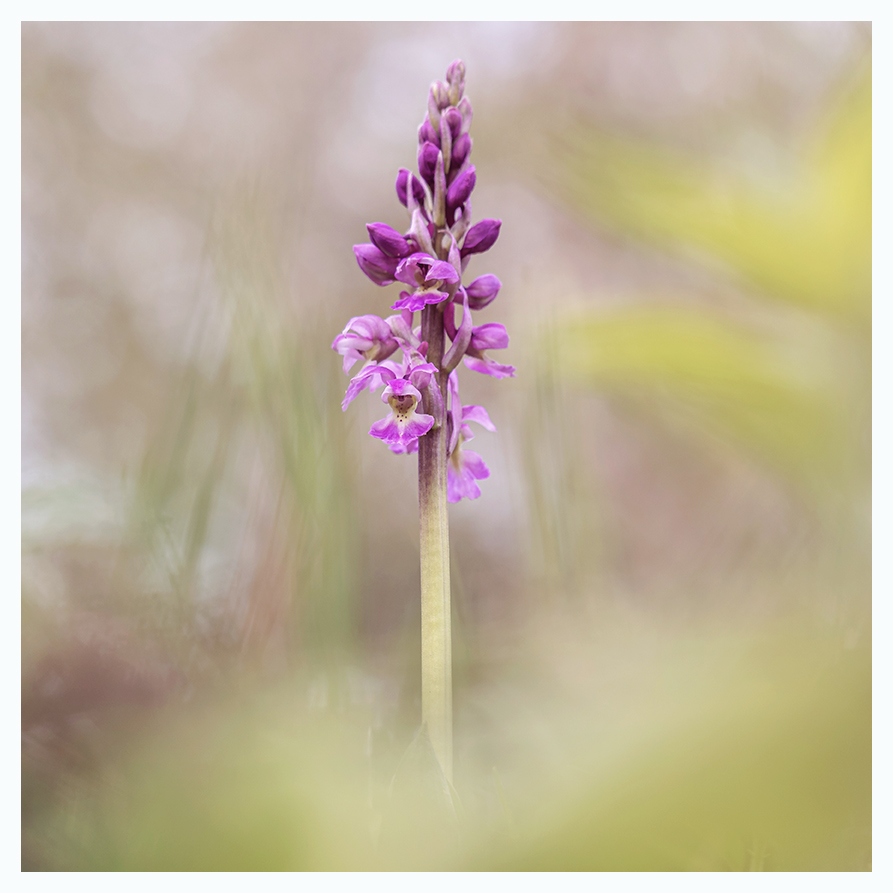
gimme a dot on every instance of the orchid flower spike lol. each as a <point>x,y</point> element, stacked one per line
<point>429,258</point>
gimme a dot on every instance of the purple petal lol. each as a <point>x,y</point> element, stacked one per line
<point>486,366</point>
<point>462,187</point>
<point>350,358</point>
<point>401,327</point>
<point>388,240</point>
<point>370,326</point>
<point>375,264</point>
<point>453,494</point>
<point>418,300</point>
<point>490,336</point>
<point>441,269</point>
<point>428,154</point>
<point>396,368</point>
<point>427,134</point>
<point>422,374</point>
<point>453,118</point>
<point>400,387</point>
<point>412,269</point>
<point>474,465</point>
<point>386,429</point>
<point>400,448</point>
<point>477,414</point>
<point>404,177</point>
<point>481,236</point>
<point>418,425</point>
<point>463,469</point>
<point>371,377</point>
<point>455,411</point>
<point>351,342</point>
<point>482,291</point>
<point>461,150</point>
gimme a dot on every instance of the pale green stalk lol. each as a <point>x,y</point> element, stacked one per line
<point>434,543</point>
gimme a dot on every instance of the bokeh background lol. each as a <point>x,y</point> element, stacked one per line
<point>662,598</point>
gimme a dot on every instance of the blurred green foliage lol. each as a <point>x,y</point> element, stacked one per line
<point>806,240</point>
<point>790,388</point>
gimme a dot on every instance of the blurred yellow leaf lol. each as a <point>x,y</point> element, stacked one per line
<point>770,770</point>
<point>806,240</point>
<point>766,394</point>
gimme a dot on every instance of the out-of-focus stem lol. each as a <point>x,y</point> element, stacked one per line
<point>434,542</point>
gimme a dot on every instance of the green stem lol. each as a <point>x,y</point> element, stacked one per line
<point>434,543</point>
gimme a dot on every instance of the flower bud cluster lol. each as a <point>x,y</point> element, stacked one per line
<point>430,259</point>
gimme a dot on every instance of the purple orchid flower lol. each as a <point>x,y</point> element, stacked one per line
<point>370,378</point>
<point>465,467</point>
<point>365,338</point>
<point>490,336</point>
<point>427,274</point>
<point>403,424</point>
<point>373,375</point>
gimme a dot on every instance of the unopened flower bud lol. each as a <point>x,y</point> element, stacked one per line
<point>388,240</point>
<point>404,177</point>
<point>490,336</point>
<point>456,79</point>
<point>454,118</point>
<point>482,291</point>
<point>441,94</point>
<point>461,188</point>
<point>428,155</point>
<point>481,237</point>
<point>460,151</point>
<point>376,264</point>
<point>427,134</point>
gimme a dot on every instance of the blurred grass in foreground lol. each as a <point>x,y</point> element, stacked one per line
<point>730,753</point>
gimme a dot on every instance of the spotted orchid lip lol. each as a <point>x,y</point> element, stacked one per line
<point>403,424</point>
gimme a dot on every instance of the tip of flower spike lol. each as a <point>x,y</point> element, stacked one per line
<point>456,81</point>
